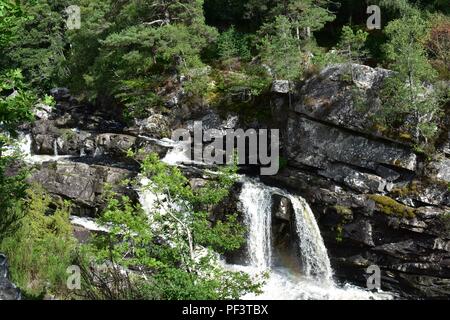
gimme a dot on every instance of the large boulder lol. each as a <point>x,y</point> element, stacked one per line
<point>317,145</point>
<point>115,144</point>
<point>439,169</point>
<point>330,96</point>
<point>80,182</point>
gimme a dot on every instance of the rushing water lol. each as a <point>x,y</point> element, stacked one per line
<point>315,281</point>
<point>24,145</point>
<point>257,203</point>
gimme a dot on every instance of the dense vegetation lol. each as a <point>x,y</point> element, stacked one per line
<point>127,54</point>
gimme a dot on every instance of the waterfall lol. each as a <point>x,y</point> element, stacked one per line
<point>256,199</point>
<point>315,261</point>
<point>24,145</point>
<point>55,147</point>
<point>315,281</point>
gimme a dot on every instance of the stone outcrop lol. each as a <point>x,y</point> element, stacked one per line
<point>81,183</point>
<point>8,291</point>
<point>376,200</point>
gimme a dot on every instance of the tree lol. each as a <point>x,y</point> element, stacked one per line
<point>290,27</point>
<point>39,51</point>
<point>305,16</point>
<point>439,44</point>
<point>231,44</point>
<point>279,50</point>
<point>138,45</point>
<point>172,247</point>
<point>351,45</point>
<point>407,92</point>
<point>42,248</point>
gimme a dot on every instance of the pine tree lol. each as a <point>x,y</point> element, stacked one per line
<point>406,93</point>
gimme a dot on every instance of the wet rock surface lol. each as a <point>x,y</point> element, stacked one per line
<point>8,291</point>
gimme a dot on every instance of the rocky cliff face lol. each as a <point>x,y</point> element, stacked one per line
<point>376,200</point>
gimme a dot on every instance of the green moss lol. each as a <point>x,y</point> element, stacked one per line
<point>389,206</point>
<point>68,134</point>
<point>339,233</point>
<point>343,211</point>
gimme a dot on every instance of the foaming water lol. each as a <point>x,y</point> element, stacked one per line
<point>315,282</point>
<point>257,204</point>
<point>24,144</point>
<point>283,284</point>
<point>315,261</point>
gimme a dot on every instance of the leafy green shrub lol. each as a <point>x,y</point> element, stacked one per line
<point>171,247</point>
<point>41,250</point>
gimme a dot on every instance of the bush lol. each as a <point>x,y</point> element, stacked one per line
<point>41,250</point>
<point>170,251</point>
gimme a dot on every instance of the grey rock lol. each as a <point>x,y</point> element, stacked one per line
<point>281,86</point>
<point>80,182</point>
<point>148,146</point>
<point>282,208</point>
<point>60,93</point>
<point>330,97</point>
<point>360,231</point>
<point>115,144</point>
<point>387,173</point>
<point>439,169</point>
<point>8,291</point>
<point>359,181</point>
<point>316,144</point>
<point>155,126</point>
<point>42,111</point>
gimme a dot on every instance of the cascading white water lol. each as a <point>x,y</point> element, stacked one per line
<point>257,205</point>
<point>55,147</point>
<point>315,261</point>
<point>315,280</point>
<point>256,200</point>
<point>24,145</point>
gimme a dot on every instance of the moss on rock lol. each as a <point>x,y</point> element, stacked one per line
<point>389,206</point>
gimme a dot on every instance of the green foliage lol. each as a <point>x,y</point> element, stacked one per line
<point>12,192</point>
<point>287,43</point>
<point>243,86</point>
<point>133,47</point>
<point>15,108</point>
<point>405,94</point>
<point>351,46</point>
<point>41,250</point>
<point>10,15</point>
<point>173,243</point>
<point>280,50</point>
<point>232,44</point>
<point>15,102</point>
<point>40,49</point>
